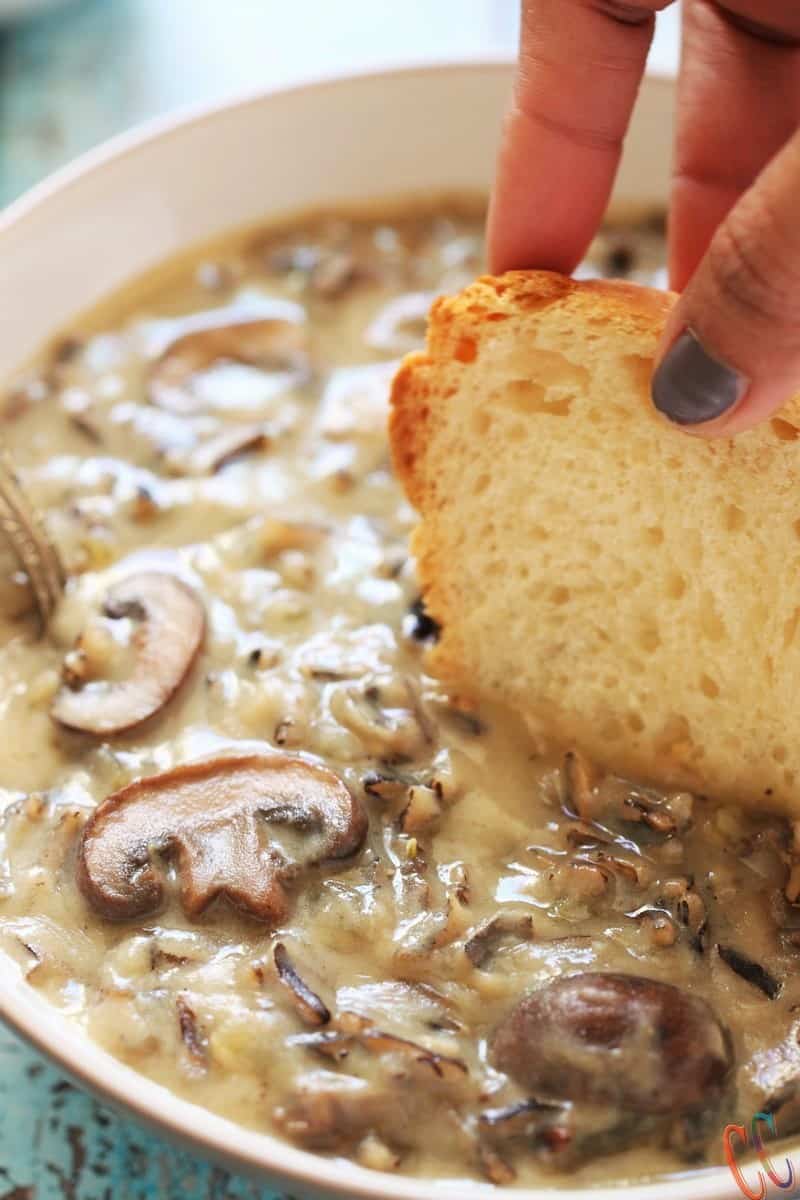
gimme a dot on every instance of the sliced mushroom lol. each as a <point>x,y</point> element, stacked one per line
<point>334,274</point>
<point>268,344</point>
<point>389,788</point>
<point>615,866</point>
<point>216,452</point>
<point>487,936</point>
<point>401,324</point>
<point>495,1167</point>
<point>422,811</point>
<point>336,1044</point>
<point>577,786</point>
<point>526,1119</point>
<point>166,642</point>
<point>355,401</point>
<point>382,730</point>
<point>332,1111</point>
<point>391,782</point>
<point>584,833</point>
<point>658,922</point>
<point>208,816</point>
<point>414,1007</point>
<point>311,1009</point>
<point>443,1066</point>
<point>332,1043</point>
<point>275,535</point>
<point>623,1040</point>
<point>663,814</point>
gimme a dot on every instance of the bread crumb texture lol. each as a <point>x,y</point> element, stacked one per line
<point>631,590</point>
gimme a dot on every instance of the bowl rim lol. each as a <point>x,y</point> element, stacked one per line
<point>165,125</point>
<point>61,1040</point>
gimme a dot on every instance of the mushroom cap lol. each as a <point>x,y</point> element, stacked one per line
<point>267,343</point>
<point>166,642</point>
<point>615,1039</point>
<point>214,819</point>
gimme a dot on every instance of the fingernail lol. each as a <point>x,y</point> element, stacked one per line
<point>691,386</point>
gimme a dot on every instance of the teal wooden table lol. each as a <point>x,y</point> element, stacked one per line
<point>57,1143</point>
<point>71,79</point>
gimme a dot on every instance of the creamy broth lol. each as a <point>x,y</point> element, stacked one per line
<point>359,1014</point>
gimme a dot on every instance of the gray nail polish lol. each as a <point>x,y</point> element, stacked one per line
<point>691,386</point>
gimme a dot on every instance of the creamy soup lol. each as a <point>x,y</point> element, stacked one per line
<point>316,896</point>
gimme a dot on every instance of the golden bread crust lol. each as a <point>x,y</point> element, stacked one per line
<point>614,580</point>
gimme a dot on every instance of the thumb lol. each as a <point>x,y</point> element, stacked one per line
<point>730,355</point>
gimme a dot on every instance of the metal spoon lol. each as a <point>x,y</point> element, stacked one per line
<point>24,530</point>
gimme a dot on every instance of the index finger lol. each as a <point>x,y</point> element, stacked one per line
<point>580,65</point>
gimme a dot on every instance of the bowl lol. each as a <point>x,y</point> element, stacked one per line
<point>124,208</point>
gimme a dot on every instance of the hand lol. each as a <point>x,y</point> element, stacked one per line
<point>731,353</point>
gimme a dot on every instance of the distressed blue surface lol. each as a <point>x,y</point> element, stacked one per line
<point>58,1143</point>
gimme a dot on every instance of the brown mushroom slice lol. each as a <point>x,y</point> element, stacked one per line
<point>495,1167</point>
<point>400,326</point>
<point>355,401</point>
<point>171,623</point>
<point>578,791</point>
<point>270,344</point>
<point>622,1040</point>
<point>486,938</point>
<point>525,1119</point>
<point>443,1066</point>
<point>384,731</point>
<point>423,810</point>
<point>332,1111</point>
<point>336,1043</point>
<point>218,451</point>
<point>332,1043</point>
<point>311,1009</point>
<point>334,274</point>
<point>218,820</point>
<point>656,812</point>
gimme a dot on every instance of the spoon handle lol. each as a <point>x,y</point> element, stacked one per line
<point>25,531</point>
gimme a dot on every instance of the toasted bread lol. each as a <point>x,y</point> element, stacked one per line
<point>630,590</point>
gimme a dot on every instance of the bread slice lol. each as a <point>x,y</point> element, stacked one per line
<point>631,590</point>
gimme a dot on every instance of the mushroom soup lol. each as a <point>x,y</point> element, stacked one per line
<point>257,853</point>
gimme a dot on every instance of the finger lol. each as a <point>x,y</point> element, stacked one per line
<point>581,62</point>
<point>738,103</point>
<point>733,339</point>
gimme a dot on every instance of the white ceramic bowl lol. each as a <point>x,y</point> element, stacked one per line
<point>124,208</point>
